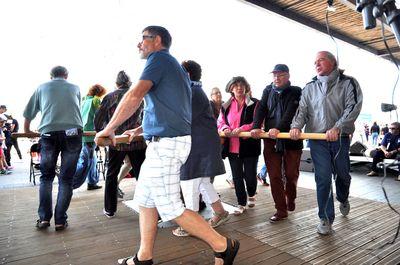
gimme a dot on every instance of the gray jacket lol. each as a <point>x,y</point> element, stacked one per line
<point>327,102</point>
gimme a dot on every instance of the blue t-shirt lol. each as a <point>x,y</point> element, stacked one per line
<point>391,142</point>
<point>168,110</point>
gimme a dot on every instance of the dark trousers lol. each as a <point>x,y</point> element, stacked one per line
<point>283,170</point>
<point>114,165</point>
<point>7,153</point>
<point>52,144</point>
<point>244,171</point>
<point>378,156</point>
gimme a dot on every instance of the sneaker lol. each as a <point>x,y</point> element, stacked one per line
<point>324,227</point>
<point>180,232</point>
<point>372,174</point>
<point>398,178</point>
<point>219,219</point>
<point>344,208</point>
<point>109,215</point>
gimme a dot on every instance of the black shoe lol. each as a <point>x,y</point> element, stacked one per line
<point>61,227</point>
<point>108,214</point>
<point>42,224</point>
<point>93,187</point>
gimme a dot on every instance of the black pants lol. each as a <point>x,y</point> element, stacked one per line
<point>7,152</point>
<point>378,156</point>
<point>244,171</point>
<point>114,165</point>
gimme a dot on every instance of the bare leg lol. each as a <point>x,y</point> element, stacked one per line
<point>148,218</point>
<point>195,225</point>
<point>217,207</point>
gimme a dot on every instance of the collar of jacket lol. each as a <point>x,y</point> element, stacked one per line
<point>248,101</point>
<point>334,72</point>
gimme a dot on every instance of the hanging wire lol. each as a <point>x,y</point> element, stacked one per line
<point>395,63</point>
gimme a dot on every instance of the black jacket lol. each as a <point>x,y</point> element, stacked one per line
<point>277,111</point>
<point>248,147</point>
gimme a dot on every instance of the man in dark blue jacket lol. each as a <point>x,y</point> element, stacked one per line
<point>277,108</point>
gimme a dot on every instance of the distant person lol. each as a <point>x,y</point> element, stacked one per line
<point>375,133</point>
<point>14,128</point>
<point>389,148</point>
<point>135,151</point>
<point>4,170</point>
<point>329,104</point>
<point>216,102</point>
<point>237,116</point>
<point>60,132</point>
<point>86,168</point>
<point>366,132</point>
<point>385,130</point>
<point>276,109</point>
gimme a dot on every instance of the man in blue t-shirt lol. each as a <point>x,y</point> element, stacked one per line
<point>390,148</point>
<point>167,127</point>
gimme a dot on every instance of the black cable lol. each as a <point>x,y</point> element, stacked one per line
<point>395,63</point>
<point>334,173</point>
<point>384,167</point>
<point>330,34</point>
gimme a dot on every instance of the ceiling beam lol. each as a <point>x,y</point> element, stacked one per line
<point>271,6</point>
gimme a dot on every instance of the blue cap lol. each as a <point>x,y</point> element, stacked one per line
<point>281,68</point>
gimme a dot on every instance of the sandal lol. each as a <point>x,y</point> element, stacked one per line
<point>232,248</point>
<point>241,209</point>
<point>219,219</point>
<point>251,201</point>
<point>135,260</point>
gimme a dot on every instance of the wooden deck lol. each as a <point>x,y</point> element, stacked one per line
<point>94,239</point>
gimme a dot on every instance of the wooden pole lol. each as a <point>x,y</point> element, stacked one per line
<point>124,139</point>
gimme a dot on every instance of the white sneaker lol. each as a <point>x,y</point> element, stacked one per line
<point>324,227</point>
<point>344,208</point>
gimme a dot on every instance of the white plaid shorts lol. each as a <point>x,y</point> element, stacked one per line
<point>159,179</point>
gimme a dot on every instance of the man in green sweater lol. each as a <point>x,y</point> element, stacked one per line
<point>61,132</point>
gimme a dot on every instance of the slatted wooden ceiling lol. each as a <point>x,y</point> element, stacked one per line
<point>345,23</point>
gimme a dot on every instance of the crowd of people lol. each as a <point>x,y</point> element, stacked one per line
<point>8,125</point>
<point>181,152</point>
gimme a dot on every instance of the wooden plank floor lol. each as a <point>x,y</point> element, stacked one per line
<point>93,239</point>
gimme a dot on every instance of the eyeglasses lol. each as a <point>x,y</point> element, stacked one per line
<point>148,37</point>
<point>393,128</point>
<point>279,75</point>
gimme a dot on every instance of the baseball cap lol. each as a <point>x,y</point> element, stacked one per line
<point>280,68</point>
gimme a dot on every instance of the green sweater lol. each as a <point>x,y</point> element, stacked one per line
<point>58,101</point>
<point>90,104</point>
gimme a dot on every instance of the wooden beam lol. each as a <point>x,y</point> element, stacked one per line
<point>273,7</point>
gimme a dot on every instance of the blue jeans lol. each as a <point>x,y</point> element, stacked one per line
<point>374,138</point>
<point>331,158</point>
<point>86,167</point>
<point>263,172</point>
<point>52,144</point>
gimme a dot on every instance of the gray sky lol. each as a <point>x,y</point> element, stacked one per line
<point>95,39</point>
